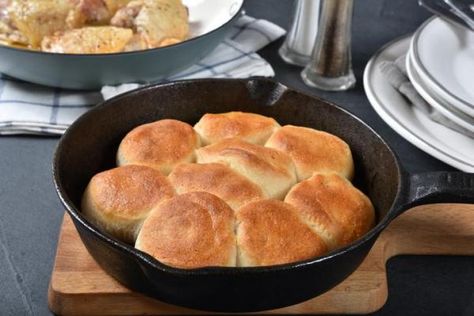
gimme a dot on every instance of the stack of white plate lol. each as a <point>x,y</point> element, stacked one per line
<point>440,65</point>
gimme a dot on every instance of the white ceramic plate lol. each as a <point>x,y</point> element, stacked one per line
<point>443,55</point>
<point>435,100</point>
<point>441,142</point>
<point>207,15</point>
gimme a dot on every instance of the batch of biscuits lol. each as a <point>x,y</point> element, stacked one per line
<point>235,190</point>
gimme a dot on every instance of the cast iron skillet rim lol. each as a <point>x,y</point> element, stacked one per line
<point>155,264</point>
<point>137,52</point>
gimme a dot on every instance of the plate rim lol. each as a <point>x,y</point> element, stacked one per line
<point>398,126</point>
<point>446,94</point>
<point>438,104</point>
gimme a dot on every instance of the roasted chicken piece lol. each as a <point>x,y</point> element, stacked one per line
<point>114,5</point>
<point>8,32</point>
<point>88,40</point>
<point>97,11</point>
<point>90,11</point>
<point>11,36</point>
<point>156,22</point>
<point>36,19</point>
<point>3,8</point>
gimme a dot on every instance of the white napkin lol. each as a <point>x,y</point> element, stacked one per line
<point>27,108</point>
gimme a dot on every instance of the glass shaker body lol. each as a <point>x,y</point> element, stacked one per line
<point>301,36</point>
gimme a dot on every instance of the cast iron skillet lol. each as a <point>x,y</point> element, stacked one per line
<point>90,144</point>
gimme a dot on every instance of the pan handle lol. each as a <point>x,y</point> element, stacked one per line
<point>437,187</point>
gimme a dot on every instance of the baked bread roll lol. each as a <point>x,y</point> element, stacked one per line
<point>161,145</point>
<point>251,127</point>
<point>313,151</point>
<point>119,200</point>
<point>270,232</point>
<point>221,205</point>
<point>191,230</point>
<point>333,207</point>
<point>218,179</point>
<point>271,169</point>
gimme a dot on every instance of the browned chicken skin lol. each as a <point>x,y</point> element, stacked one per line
<point>92,11</point>
<point>125,17</point>
<point>8,32</point>
<point>156,22</point>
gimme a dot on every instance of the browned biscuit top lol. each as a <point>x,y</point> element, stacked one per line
<point>161,145</point>
<point>251,127</point>
<point>271,169</point>
<point>118,200</point>
<point>215,178</point>
<point>191,230</point>
<point>128,192</point>
<point>270,232</point>
<point>313,151</point>
<point>325,199</point>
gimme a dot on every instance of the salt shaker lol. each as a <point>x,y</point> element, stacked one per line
<point>301,36</point>
<point>330,67</point>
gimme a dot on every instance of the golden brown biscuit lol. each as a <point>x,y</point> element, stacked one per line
<point>118,200</point>
<point>270,232</point>
<point>191,230</point>
<point>313,151</point>
<point>218,179</point>
<point>333,207</point>
<point>251,127</point>
<point>160,145</point>
<point>271,169</point>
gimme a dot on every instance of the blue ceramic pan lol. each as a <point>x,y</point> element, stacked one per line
<point>210,21</point>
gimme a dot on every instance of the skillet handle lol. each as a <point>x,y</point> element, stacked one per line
<point>437,187</point>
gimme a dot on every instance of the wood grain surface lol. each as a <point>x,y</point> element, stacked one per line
<point>79,287</point>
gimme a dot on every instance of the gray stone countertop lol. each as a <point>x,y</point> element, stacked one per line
<point>31,214</point>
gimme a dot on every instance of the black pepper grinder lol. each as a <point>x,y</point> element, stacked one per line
<point>330,67</point>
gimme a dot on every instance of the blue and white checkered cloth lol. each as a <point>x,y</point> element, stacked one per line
<point>27,108</point>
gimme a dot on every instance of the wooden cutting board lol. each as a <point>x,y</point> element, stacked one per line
<point>79,287</point>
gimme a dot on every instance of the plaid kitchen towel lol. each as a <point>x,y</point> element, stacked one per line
<point>27,108</point>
